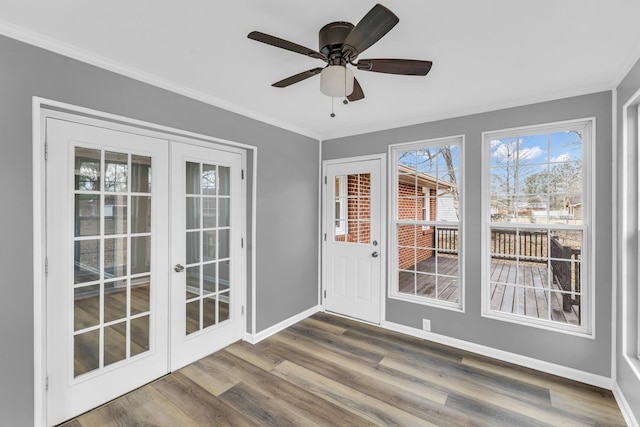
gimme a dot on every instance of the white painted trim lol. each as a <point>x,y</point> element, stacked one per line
<point>505,356</point>
<point>627,232</point>
<point>42,106</point>
<point>588,161</point>
<point>39,253</point>
<point>254,221</point>
<point>266,333</point>
<point>70,51</point>
<point>382,158</point>
<point>624,406</point>
<point>320,222</point>
<point>614,238</point>
<point>391,211</point>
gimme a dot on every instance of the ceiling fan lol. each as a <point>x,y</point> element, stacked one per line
<point>340,44</point>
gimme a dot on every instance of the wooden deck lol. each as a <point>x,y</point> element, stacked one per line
<point>535,299</point>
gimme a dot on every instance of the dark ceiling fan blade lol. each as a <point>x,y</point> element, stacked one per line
<point>297,78</point>
<point>357,93</point>
<point>285,44</point>
<point>375,24</point>
<point>407,67</point>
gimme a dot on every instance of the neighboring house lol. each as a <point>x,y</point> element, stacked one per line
<point>574,207</point>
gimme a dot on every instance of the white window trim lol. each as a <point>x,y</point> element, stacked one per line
<point>588,266</point>
<point>426,208</point>
<point>629,229</point>
<point>342,198</point>
<point>392,279</point>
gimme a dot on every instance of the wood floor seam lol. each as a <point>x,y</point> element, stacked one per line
<point>332,371</point>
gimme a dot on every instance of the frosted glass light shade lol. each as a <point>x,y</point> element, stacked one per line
<point>332,81</point>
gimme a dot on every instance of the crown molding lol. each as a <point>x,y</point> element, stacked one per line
<point>36,39</point>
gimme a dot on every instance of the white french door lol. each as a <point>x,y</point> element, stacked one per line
<point>206,249</point>
<point>118,314</point>
<point>353,250</point>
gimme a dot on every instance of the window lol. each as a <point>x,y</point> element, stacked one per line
<point>426,206</point>
<point>536,218</point>
<point>341,206</point>
<point>426,217</point>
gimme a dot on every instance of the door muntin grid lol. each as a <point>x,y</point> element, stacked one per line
<point>207,249</point>
<point>112,279</point>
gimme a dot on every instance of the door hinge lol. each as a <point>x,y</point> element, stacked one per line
<point>325,237</point>
<point>242,310</point>
<point>325,179</point>
<point>242,242</point>
<point>46,266</point>
<point>46,150</point>
<point>242,174</point>
<point>325,293</point>
<point>46,383</point>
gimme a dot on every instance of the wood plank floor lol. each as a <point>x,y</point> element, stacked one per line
<point>326,370</point>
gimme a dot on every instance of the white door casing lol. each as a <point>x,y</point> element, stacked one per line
<point>353,249</point>
<point>95,344</point>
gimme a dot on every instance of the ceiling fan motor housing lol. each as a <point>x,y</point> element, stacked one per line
<point>331,38</point>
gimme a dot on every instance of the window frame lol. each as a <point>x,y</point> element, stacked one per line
<point>588,127</point>
<point>342,200</point>
<point>426,207</point>
<point>393,291</point>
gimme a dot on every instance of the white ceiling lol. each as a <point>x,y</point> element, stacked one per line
<point>487,54</point>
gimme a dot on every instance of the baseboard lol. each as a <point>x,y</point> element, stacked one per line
<point>256,338</point>
<point>505,356</point>
<point>628,415</point>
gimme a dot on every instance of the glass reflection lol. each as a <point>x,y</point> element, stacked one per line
<point>86,261</point>
<point>115,214</point>
<point>116,171</point>
<point>140,174</point>
<point>209,181</point>
<point>87,169</point>
<point>87,215</point>
<point>86,351</point>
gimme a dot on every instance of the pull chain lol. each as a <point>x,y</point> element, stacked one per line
<point>345,102</point>
<point>332,113</point>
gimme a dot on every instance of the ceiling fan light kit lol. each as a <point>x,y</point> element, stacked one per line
<point>336,81</point>
<point>340,44</point>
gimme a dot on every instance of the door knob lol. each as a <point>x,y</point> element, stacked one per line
<point>178,268</point>
<point>375,254</point>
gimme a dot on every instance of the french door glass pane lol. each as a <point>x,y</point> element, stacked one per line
<point>112,258</point>
<point>207,234</point>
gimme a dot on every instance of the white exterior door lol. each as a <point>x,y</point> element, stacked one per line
<point>144,276</point>
<point>107,281</point>
<point>353,250</point>
<point>206,252</point>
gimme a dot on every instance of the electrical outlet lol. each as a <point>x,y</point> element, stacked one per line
<point>426,324</point>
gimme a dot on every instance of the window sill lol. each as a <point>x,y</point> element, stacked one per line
<point>578,331</point>
<point>427,301</point>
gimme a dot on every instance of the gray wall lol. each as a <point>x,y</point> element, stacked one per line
<point>585,354</point>
<point>628,381</point>
<point>287,240</point>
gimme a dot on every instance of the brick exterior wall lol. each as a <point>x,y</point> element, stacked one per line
<point>410,206</point>
<point>414,243</point>
<point>358,208</point>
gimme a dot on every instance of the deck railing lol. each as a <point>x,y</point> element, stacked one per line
<point>566,273</point>
<point>533,246</point>
<point>447,240</point>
